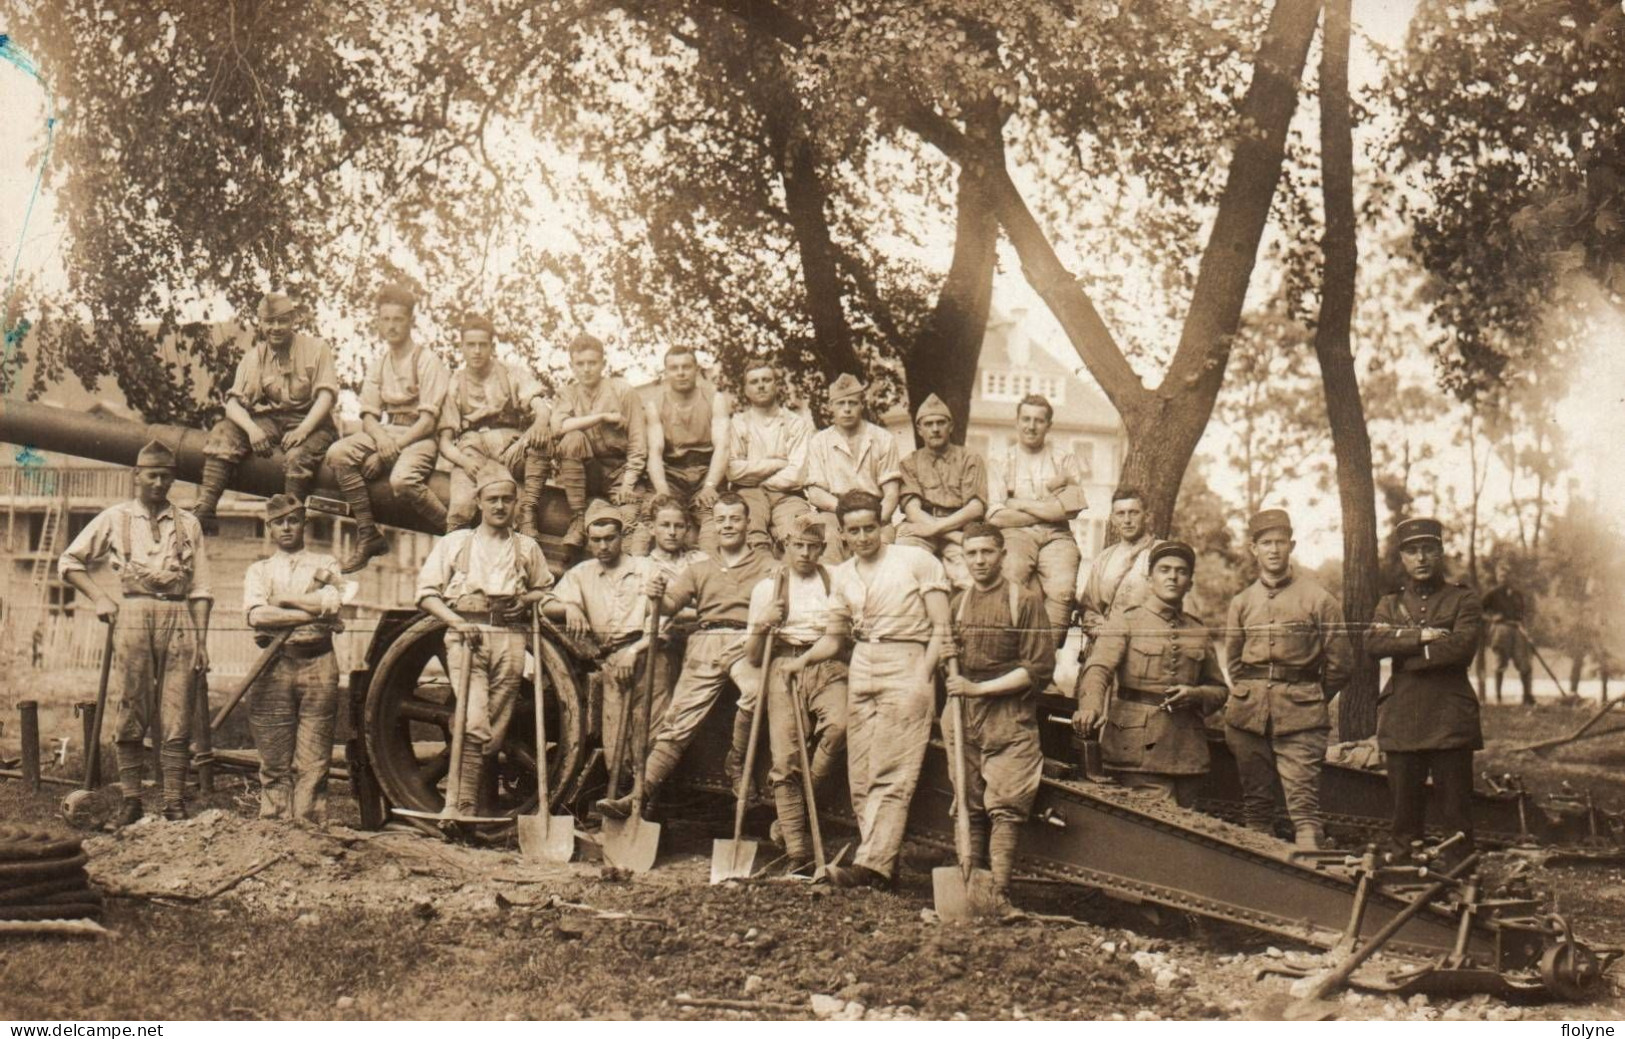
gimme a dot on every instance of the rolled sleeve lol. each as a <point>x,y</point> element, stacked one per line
<point>451,414</point>
<point>1037,642</point>
<point>245,382</point>
<point>432,381</point>
<point>537,575</point>
<point>909,470</point>
<point>372,388</point>
<point>91,545</point>
<point>998,490</point>
<point>326,376</point>
<point>973,481</point>
<point>201,585</point>
<point>637,436</point>
<point>436,572</point>
<point>793,475</point>
<point>256,589</point>
<point>888,463</point>
<point>566,406</point>
<point>930,573</point>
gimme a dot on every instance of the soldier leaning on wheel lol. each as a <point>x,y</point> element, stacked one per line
<point>1288,655</point>
<point>281,398</point>
<point>483,583</point>
<point>296,703</point>
<point>1427,714</point>
<point>161,623</point>
<point>1005,659</point>
<point>1167,679</point>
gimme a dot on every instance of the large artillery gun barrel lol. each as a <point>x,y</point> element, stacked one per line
<point>117,441</point>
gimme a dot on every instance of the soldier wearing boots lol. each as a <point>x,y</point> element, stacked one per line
<point>687,426</point>
<point>720,589</point>
<point>795,602</point>
<point>601,447</point>
<point>1005,659</point>
<point>1427,715</point>
<point>483,421</point>
<point>604,599</point>
<point>1288,655</point>
<point>851,454</point>
<point>767,457</point>
<point>296,703</point>
<point>944,491</point>
<point>484,583</point>
<point>282,398</point>
<point>401,397</point>
<point>891,601</point>
<point>1167,680</point>
<point>161,622</point>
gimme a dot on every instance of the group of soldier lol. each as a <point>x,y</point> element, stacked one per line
<point>811,572</point>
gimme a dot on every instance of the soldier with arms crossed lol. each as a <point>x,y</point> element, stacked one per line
<point>944,491</point>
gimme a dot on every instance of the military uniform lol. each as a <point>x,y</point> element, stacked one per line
<point>822,687</point>
<point>686,450</point>
<point>295,703</point>
<point>1507,609</point>
<point>838,463</point>
<point>1119,577</point>
<point>396,393</point>
<point>1148,649</point>
<point>939,485</point>
<point>1288,656</point>
<point>1427,713</point>
<point>616,606</point>
<point>475,572</point>
<point>484,416</point>
<point>998,630</point>
<point>771,492</point>
<point>162,563</point>
<point>1042,550</point>
<point>278,389</point>
<point>880,605</point>
<point>595,462</point>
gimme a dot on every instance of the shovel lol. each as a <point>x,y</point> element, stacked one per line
<point>821,868</point>
<point>961,892</point>
<point>734,859</point>
<point>634,842</point>
<point>459,723</point>
<point>550,838</point>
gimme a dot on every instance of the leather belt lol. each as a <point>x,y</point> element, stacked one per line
<point>160,596</point>
<point>722,625</point>
<point>486,617</point>
<point>876,640</point>
<point>1275,673</point>
<point>307,650</point>
<point>1146,696</point>
<point>940,510</point>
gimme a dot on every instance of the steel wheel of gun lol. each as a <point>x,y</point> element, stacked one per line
<point>407,728</point>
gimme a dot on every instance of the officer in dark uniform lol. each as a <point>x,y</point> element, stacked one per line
<point>1167,681</point>
<point>1427,714</point>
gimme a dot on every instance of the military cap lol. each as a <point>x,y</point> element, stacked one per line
<point>933,408</point>
<point>1269,519</point>
<point>1418,530</point>
<point>280,505</point>
<point>808,526</point>
<point>1173,548</point>
<point>845,386</point>
<point>155,454</point>
<point>491,474</point>
<point>601,511</point>
<point>274,304</point>
<point>477,323</point>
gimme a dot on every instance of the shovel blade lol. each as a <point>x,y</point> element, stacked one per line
<point>958,898</point>
<point>631,844</point>
<point>547,838</point>
<point>732,860</point>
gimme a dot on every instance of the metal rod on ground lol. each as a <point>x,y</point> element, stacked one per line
<point>85,711</point>
<point>28,715</point>
<point>1345,970</point>
<point>202,734</point>
<point>93,741</point>
<point>17,773</point>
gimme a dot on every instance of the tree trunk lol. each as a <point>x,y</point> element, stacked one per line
<point>1345,413</point>
<point>948,348</point>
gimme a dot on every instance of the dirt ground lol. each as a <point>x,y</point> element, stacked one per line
<point>348,924</point>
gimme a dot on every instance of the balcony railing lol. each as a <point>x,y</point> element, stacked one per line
<point>74,483</point>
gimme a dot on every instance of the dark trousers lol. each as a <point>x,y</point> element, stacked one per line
<point>1451,797</point>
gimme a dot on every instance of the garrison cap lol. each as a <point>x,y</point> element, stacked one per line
<point>933,408</point>
<point>274,304</point>
<point>601,511</point>
<point>1173,548</point>
<point>1419,530</point>
<point>845,386</point>
<point>282,504</point>
<point>491,474</point>
<point>1269,519</point>
<point>155,454</point>
<point>809,527</point>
